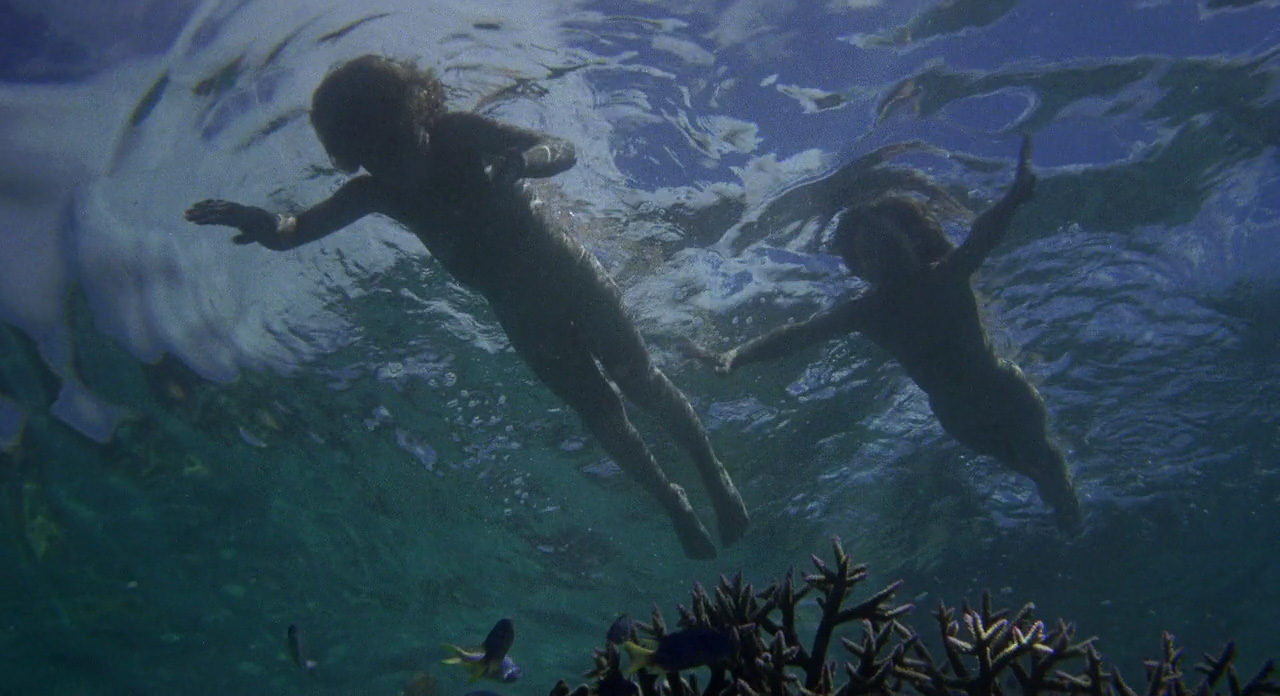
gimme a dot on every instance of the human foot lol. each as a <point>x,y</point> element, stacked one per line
<point>732,517</point>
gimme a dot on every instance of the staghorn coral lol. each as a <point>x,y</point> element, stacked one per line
<point>979,651</point>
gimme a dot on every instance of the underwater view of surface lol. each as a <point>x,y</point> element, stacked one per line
<point>205,443</point>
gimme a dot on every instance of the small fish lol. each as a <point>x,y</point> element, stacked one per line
<point>619,630</point>
<point>676,652</point>
<point>251,439</point>
<point>500,639</point>
<point>489,661</point>
<point>267,420</point>
<point>297,651</point>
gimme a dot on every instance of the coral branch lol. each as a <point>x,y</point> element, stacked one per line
<point>986,651</point>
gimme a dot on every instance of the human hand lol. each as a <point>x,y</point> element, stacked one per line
<point>255,224</point>
<point>1024,182</point>
<point>506,168</point>
<point>722,363</point>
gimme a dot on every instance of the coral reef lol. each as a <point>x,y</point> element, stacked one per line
<point>976,651</point>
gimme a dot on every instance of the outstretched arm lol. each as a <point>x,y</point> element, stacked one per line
<point>830,323</point>
<point>991,225</point>
<point>278,232</point>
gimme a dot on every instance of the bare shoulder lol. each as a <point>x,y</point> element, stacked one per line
<point>467,127</point>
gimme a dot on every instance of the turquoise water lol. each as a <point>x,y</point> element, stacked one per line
<point>205,443</point>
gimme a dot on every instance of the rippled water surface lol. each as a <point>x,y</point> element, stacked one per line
<point>205,442</point>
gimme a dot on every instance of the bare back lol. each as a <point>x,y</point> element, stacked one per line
<point>931,326</point>
<point>490,236</point>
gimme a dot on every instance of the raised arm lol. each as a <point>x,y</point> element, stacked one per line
<point>990,227</point>
<point>541,155</point>
<point>356,199</point>
<point>834,322</point>
<point>508,152</point>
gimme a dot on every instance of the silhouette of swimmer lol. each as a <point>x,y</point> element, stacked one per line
<point>451,178</point>
<point>920,307</point>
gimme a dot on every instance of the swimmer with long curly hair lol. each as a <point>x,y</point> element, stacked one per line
<point>920,307</point>
<point>454,180</point>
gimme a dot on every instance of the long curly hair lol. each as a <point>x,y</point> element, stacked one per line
<point>904,226</point>
<point>372,103</point>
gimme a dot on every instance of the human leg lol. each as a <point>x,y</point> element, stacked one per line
<point>1002,416</point>
<point>1054,484</point>
<point>570,372</point>
<point>654,392</point>
<point>621,350</point>
<point>1030,449</point>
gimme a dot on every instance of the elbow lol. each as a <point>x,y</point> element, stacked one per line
<point>548,158</point>
<point>564,154</point>
<point>568,158</point>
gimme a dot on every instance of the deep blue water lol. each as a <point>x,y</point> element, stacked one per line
<point>203,443</point>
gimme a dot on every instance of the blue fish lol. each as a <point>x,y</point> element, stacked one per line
<point>489,660</point>
<point>619,631</point>
<point>676,652</point>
